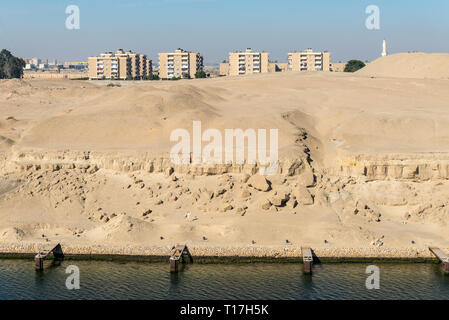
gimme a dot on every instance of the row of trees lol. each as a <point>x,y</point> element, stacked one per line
<point>10,66</point>
<point>198,75</point>
<point>148,77</point>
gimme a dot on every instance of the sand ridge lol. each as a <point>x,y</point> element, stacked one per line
<point>418,65</point>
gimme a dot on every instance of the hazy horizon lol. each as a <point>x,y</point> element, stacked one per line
<point>216,27</point>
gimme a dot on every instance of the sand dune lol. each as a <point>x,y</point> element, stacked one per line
<point>409,65</point>
<point>362,161</point>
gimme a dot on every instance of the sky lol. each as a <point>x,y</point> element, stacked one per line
<point>30,28</point>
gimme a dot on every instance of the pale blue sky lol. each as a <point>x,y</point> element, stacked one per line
<point>214,27</point>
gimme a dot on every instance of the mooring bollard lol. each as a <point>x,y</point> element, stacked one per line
<point>308,267</point>
<point>179,252</point>
<point>307,258</point>
<point>443,257</point>
<point>40,257</point>
<point>446,266</point>
<point>174,265</point>
<point>39,262</point>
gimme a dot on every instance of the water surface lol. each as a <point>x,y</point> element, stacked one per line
<point>140,280</point>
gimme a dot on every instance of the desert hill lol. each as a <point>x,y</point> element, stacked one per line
<point>409,65</point>
<point>363,162</point>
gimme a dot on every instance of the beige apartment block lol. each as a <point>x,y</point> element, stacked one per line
<point>338,66</point>
<point>247,62</point>
<point>179,64</point>
<point>108,66</point>
<point>120,65</point>
<point>224,68</point>
<point>309,61</point>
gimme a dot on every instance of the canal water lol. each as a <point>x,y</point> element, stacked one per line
<point>140,280</point>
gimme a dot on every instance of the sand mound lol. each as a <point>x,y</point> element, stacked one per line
<point>360,160</point>
<point>5,143</point>
<point>409,65</point>
<point>12,234</point>
<point>122,227</point>
<point>14,83</point>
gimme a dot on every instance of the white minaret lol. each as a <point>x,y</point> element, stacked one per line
<point>384,48</point>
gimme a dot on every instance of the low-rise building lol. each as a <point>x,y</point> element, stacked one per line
<point>120,65</point>
<point>245,62</point>
<point>309,60</point>
<point>77,65</point>
<point>338,66</point>
<point>179,64</point>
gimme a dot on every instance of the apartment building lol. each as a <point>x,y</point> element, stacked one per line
<point>309,61</point>
<point>246,62</point>
<point>337,66</point>
<point>179,64</point>
<point>224,69</point>
<point>119,65</point>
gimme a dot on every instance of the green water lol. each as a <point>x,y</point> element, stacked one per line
<point>143,280</point>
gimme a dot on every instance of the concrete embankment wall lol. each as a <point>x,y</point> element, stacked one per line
<point>229,251</point>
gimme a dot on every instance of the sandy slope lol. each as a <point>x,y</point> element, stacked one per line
<point>417,65</point>
<point>363,162</point>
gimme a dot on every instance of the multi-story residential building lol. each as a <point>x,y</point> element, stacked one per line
<point>179,64</point>
<point>109,66</point>
<point>120,65</point>
<point>134,59</point>
<point>309,61</point>
<point>247,62</point>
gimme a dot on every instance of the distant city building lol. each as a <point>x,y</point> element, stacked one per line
<point>309,61</point>
<point>77,65</point>
<point>41,65</point>
<point>245,62</point>
<point>179,64</point>
<point>35,62</point>
<point>120,65</point>
<point>68,64</point>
